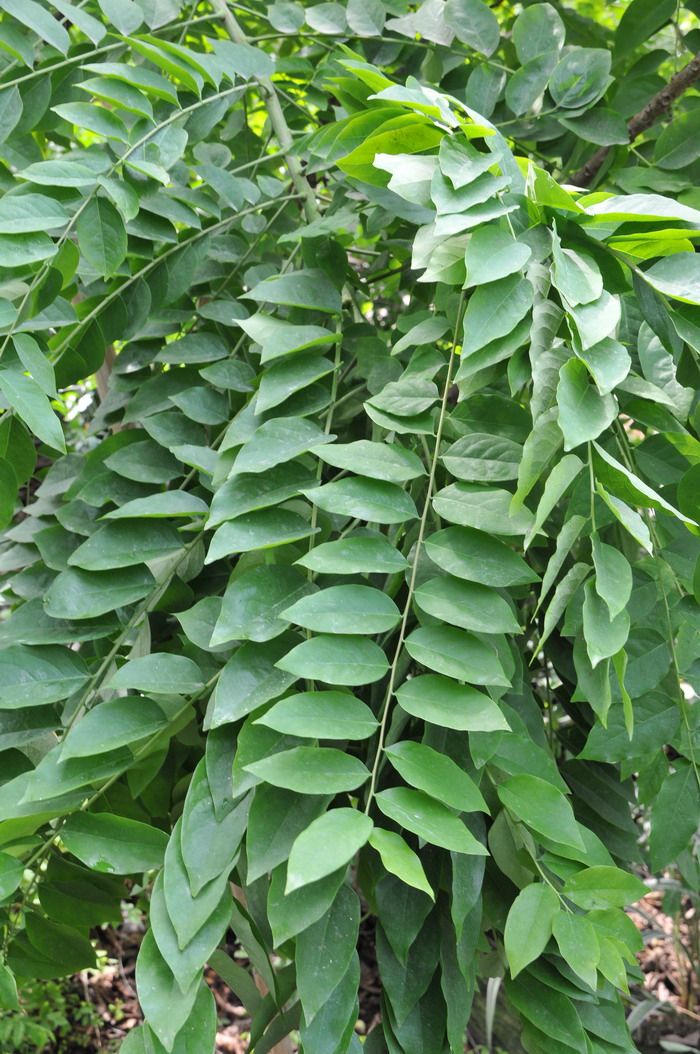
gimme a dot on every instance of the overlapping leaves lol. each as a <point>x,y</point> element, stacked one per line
<point>395,571</point>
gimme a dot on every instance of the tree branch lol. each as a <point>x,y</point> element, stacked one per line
<point>659,105</point>
<point>277,119</point>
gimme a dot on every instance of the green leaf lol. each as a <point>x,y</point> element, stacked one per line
<point>613,580</point>
<point>575,275</point>
<point>494,310</point>
<point>601,126</point>
<point>542,807</point>
<point>311,770</point>
<point>87,594</point>
<point>186,963</point>
<point>52,949</point>
<point>558,482</point>
<point>188,913</point>
<point>679,143</point>
<point>278,441</point>
<point>59,173</point>
<point>102,235</point>
<point>583,413</point>
<point>138,76</point>
<point>145,461</point>
<point>41,21</point>
<point>398,858</point>
<point>474,23</point>
<point>254,601</point>
<point>275,819</point>
<point>336,660</point>
<point>36,363</point>
<point>629,519</point>
<point>324,952</point>
<point>457,654</point>
<point>16,44</point>
<point>298,289</point>
<point>8,990</point>
<point>366,499</point>
<point>580,77</point>
<point>529,925</point>
<point>209,837</point>
<point>468,605</point>
<point>656,720</point>
<point>677,276</point>
<point>164,504</point>
<point>120,95</point>
<point>249,491</point>
<point>21,249</point>
<point>114,724</point>
<point>437,775</point>
<point>578,945</point>
<point>326,845</point>
<point>126,544</point>
<point>481,457</point>
<point>674,815</point>
<point>164,1004</point>
<point>321,715</point>
<point>96,119</point>
<point>282,338</point>
<point>11,871</point>
<point>486,509</point>
<point>493,254</point>
<point>527,85</point>
<point>549,1010</point>
<point>345,609</point>
<point>478,557</point>
<point>8,492</point>
<point>441,701</point>
<point>27,398</point>
<point>33,676</point>
<point>537,30</point>
<point>603,887</point>
<point>284,378</point>
<point>113,844</point>
<point>605,635</point>
<point>387,461</point>
<point>640,20</point>
<point>262,529</point>
<point>354,555</point>
<point>429,819</point>
<point>365,17</point>
<point>608,363</point>
<point>325,18</point>
<point>248,680</point>
<point>159,673</point>
<point>31,212</point>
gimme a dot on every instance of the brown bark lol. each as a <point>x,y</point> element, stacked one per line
<point>659,105</point>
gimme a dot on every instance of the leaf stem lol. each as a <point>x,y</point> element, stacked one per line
<point>591,476</point>
<point>416,560</point>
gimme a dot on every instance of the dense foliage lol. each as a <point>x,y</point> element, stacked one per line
<point>364,578</point>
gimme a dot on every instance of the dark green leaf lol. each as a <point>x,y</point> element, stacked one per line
<point>429,819</point>
<point>113,844</point>
<point>529,925</point>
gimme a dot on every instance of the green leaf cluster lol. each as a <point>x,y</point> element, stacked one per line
<point>363,580</point>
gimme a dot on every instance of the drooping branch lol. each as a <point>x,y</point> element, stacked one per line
<point>659,105</point>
